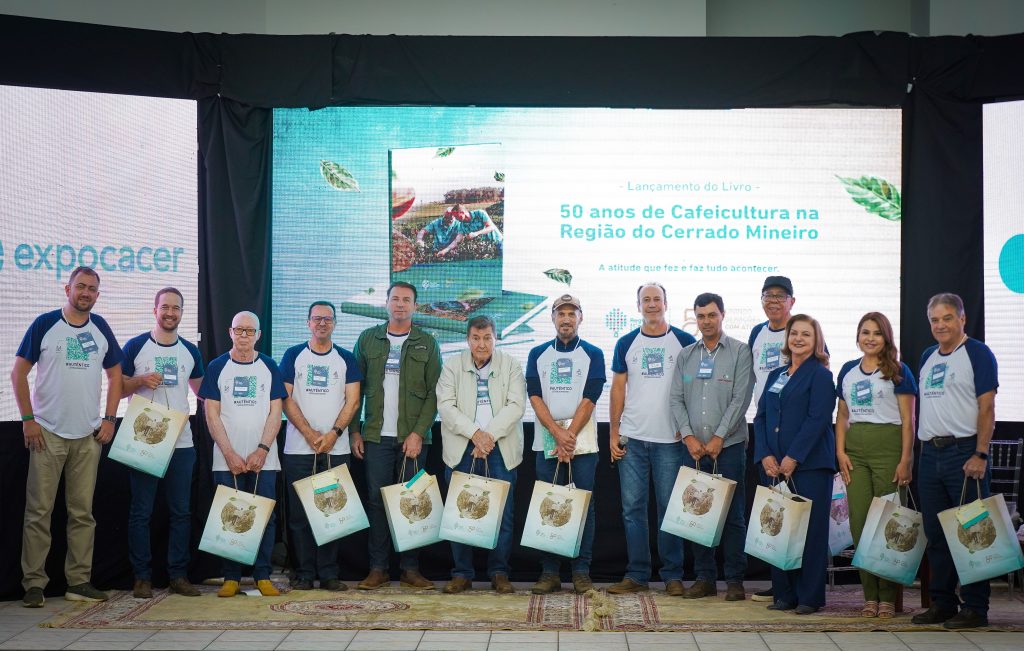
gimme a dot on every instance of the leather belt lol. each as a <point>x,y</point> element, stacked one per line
<point>946,441</point>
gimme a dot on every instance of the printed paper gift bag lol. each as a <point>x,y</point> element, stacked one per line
<point>892,543</point>
<point>331,503</point>
<point>147,435</point>
<point>236,524</point>
<point>777,529</point>
<point>556,517</point>
<point>839,535</point>
<point>586,441</point>
<point>984,545</point>
<point>699,505</point>
<point>474,508</point>
<point>413,518</point>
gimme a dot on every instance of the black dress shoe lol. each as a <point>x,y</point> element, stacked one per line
<point>967,618</point>
<point>781,605</point>
<point>806,610</point>
<point>302,584</point>
<point>934,615</point>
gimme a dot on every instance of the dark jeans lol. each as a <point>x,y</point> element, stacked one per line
<point>384,462</point>
<point>497,558</point>
<point>940,479</point>
<point>178,492</point>
<point>732,464</point>
<point>644,462</point>
<point>806,586</point>
<point>265,487</point>
<point>584,468</point>
<point>311,561</point>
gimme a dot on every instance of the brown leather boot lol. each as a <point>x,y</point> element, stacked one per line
<point>180,585</point>
<point>458,584</point>
<point>626,586</point>
<point>502,585</point>
<point>375,579</point>
<point>546,584</point>
<point>142,589</point>
<point>413,579</point>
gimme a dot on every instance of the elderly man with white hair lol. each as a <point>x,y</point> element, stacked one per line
<point>244,391</point>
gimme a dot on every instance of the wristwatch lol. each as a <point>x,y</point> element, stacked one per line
<point>336,430</point>
<point>264,447</point>
<point>111,419</point>
<point>981,455</point>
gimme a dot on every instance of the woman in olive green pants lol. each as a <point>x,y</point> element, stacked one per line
<point>875,438</point>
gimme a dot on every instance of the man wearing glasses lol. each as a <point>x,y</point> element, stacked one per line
<point>766,342</point>
<point>243,392</point>
<point>322,381</point>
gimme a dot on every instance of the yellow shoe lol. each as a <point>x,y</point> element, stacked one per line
<point>267,588</point>
<point>229,589</point>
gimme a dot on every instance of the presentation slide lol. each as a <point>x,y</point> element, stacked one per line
<point>105,181</point>
<point>499,210</point>
<point>1004,251</point>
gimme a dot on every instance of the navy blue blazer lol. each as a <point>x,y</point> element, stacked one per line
<point>797,422</point>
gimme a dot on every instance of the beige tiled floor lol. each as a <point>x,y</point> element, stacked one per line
<point>19,629</point>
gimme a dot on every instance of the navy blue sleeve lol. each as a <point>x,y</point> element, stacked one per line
<point>288,363</point>
<point>753,335</point>
<point>907,384</point>
<point>847,367</point>
<point>210,388</point>
<point>821,402</point>
<point>352,371</point>
<point>984,364</point>
<point>277,389</point>
<point>533,387</point>
<point>596,371</point>
<point>130,352</point>
<point>33,339</point>
<point>685,338</point>
<point>198,370</point>
<point>924,357</point>
<point>113,356</point>
<point>621,348</point>
<point>531,370</point>
<point>593,388</point>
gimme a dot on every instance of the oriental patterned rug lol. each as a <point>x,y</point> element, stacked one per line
<point>396,608</point>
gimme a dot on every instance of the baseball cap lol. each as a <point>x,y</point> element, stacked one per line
<point>778,281</point>
<point>566,299</point>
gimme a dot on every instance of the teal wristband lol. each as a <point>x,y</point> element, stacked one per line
<point>28,417</point>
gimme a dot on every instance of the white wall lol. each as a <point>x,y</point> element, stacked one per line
<point>806,17</point>
<point>981,17</point>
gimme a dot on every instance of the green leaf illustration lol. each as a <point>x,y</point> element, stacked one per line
<point>499,177</point>
<point>443,152</point>
<point>339,177</point>
<point>877,196</point>
<point>559,275</point>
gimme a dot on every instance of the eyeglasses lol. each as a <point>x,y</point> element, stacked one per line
<point>774,298</point>
<point>322,319</point>
<point>248,332</point>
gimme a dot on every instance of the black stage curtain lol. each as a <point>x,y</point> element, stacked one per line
<point>940,83</point>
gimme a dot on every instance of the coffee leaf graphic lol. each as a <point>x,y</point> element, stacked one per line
<point>339,177</point>
<point>444,152</point>
<point>560,276</point>
<point>877,196</point>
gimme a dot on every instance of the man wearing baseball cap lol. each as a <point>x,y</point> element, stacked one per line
<point>564,379</point>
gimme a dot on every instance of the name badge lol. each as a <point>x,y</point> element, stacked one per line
<point>772,356</point>
<point>483,393</point>
<point>706,369</point>
<point>241,387</point>
<point>862,390</point>
<point>937,377</point>
<point>87,343</point>
<point>318,376</point>
<point>394,360</point>
<point>170,373</point>
<point>780,382</point>
<point>563,367</point>
<point>655,362</point>
<point>971,514</point>
<point>324,482</point>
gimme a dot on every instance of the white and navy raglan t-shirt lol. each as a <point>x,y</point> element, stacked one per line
<point>870,398</point>
<point>178,363</point>
<point>649,363</point>
<point>949,388</point>
<point>562,375</point>
<point>766,347</point>
<point>244,391</point>
<point>318,388</point>
<point>69,361</point>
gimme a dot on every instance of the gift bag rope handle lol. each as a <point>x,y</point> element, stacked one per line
<point>255,484</point>
<point>554,480</point>
<point>315,455</point>
<point>714,466</point>
<point>415,468</point>
<point>776,482</point>
<point>487,468</point>
<point>963,491</point>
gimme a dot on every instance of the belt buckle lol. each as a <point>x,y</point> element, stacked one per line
<point>943,441</point>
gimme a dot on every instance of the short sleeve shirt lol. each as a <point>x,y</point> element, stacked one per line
<point>443,235</point>
<point>950,385</point>
<point>650,363</point>
<point>870,398</point>
<point>318,388</point>
<point>177,362</point>
<point>766,347</point>
<point>244,391</point>
<point>69,363</point>
<point>562,374</point>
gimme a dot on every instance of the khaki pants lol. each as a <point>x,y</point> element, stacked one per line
<point>78,460</point>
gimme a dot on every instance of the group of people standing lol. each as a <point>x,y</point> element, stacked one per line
<point>674,401</point>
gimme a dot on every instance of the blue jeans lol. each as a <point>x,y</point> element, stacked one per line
<point>584,467</point>
<point>265,487</point>
<point>732,464</point>
<point>806,586</point>
<point>643,462</point>
<point>178,491</point>
<point>311,561</point>
<point>384,463</point>
<point>497,558</point>
<point>940,479</point>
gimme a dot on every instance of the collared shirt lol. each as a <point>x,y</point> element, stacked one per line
<point>716,405</point>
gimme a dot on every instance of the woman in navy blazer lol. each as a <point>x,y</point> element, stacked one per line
<point>793,439</point>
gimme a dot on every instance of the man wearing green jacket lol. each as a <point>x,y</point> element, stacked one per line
<point>401,364</point>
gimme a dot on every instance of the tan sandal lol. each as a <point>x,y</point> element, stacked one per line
<point>886,610</point>
<point>870,609</point>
